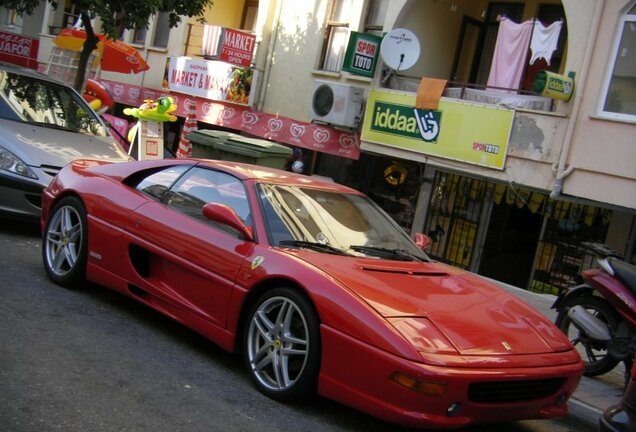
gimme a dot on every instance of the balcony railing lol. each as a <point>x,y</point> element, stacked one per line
<point>503,97</point>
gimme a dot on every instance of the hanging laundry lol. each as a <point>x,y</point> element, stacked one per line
<point>544,40</point>
<point>510,54</point>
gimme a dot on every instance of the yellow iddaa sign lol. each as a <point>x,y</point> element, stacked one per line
<point>467,132</point>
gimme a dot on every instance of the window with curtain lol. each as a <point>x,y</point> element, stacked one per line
<point>618,96</point>
<point>336,36</point>
<point>162,30</point>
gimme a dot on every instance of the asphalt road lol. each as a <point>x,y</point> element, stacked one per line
<point>94,360</point>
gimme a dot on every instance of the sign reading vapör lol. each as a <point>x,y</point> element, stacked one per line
<point>471,133</point>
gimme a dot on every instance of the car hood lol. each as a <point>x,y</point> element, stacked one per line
<point>475,315</point>
<point>40,146</point>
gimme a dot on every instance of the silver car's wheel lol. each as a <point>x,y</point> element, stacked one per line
<point>64,243</point>
<point>282,344</point>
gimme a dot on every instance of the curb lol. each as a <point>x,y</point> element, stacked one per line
<point>584,412</point>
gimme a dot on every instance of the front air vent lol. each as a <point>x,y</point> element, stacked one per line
<point>50,169</point>
<point>34,199</point>
<point>496,392</point>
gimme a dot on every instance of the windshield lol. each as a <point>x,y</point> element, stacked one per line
<point>47,104</point>
<point>346,223</point>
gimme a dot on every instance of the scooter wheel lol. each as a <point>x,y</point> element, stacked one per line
<point>595,355</point>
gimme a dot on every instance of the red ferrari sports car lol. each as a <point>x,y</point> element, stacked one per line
<point>313,283</point>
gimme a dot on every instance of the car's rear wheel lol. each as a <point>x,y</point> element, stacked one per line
<point>282,344</point>
<point>64,243</point>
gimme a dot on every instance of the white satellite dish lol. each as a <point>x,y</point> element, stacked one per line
<point>400,49</point>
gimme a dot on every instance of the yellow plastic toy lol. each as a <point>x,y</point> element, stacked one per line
<point>158,111</point>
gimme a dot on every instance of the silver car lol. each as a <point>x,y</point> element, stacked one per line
<point>44,124</point>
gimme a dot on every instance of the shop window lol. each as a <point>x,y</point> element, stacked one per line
<point>336,35</point>
<point>452,221</point>
<point>162,30</point>
<point>618,98</point>
<point>393,184</point>
<point>562,254</point>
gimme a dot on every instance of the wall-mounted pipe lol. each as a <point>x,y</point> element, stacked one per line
<point>562,172</point>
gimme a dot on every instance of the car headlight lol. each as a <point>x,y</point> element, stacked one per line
<point>423,335</point>
<point>10,162</point>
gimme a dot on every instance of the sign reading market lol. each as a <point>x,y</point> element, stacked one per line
<point>471,133</point>
<point>209,79</point>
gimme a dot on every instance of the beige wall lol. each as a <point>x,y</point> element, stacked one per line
<point>603,152</point>
<point>226,13</point>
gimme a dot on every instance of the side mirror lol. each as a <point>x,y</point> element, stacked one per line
<point>421,240</point>
<point>227,216</point>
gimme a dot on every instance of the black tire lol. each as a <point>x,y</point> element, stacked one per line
<point>64,243</point>
<point>595,355</point>
<point>268,338</point>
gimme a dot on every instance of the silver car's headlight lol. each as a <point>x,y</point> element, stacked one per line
<point>10,162</point>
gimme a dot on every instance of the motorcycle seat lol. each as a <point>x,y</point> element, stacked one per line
<point>625,272</point>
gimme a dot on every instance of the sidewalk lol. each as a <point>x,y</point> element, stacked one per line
<point>593,395</point>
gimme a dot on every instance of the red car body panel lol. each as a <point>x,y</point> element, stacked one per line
<point>422,319</point>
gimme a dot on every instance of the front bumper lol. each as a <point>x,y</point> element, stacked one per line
<point>20,197</point>
<point>357,375</point>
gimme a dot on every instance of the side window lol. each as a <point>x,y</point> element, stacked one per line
<point>618,98</point>
<point>336,35</point>
<point>201,186</point>
<point>157,183</point>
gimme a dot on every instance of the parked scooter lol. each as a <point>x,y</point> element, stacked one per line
<point>599,316</point>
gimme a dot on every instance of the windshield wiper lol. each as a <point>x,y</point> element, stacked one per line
<point>320,247</point>
<point>397,254</point>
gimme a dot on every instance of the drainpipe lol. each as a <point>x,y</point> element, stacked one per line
<point>270,52</point>
<point>562,172</point>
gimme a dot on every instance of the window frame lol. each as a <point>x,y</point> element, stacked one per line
<point>627,17</point>
<point>139,41</point>
<point>157,20</point>
<point>330,31</point>
<point>375,28</point>
<point>171,196</point>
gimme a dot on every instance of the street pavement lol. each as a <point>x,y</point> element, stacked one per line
<point>594,394</point>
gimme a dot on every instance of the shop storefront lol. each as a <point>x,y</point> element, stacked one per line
<point>503,231</point>
<point>511,234</point>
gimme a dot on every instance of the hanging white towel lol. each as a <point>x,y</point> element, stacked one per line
<point>510,53</point>
<point>544,40</point>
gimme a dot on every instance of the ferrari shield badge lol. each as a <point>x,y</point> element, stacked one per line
<point>257,261</point>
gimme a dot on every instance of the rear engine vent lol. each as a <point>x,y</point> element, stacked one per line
<point>406,272</point>
<point>513,391</point>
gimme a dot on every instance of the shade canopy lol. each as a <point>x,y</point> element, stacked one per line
<point>114,55</point>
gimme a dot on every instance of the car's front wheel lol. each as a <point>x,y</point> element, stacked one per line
<point>64,243</point>
<point>282,344</point>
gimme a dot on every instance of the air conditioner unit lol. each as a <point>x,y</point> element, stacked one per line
<point>337,104</point>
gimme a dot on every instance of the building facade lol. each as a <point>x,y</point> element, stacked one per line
<point>516,181</point>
